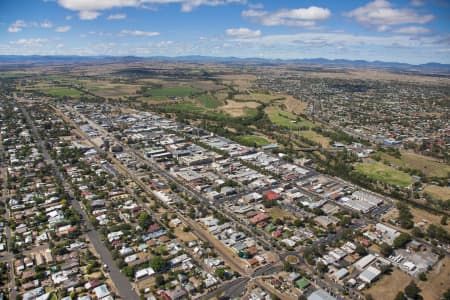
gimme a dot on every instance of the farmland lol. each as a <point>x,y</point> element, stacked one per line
<point>168,92</point>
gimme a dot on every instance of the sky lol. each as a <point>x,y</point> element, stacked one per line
<point>410,31</point>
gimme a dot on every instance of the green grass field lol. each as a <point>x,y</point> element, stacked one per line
<point>12,75</point>
<point>253,140</point>
<point>209,101</point>
<point>250,112</point>
<point>184,107</point>
<point>314,136</point>
<point>171,92</point>
<point>287,119</point>
<point>62,92</point>
<point>428,165</point>
<point>380,172</point>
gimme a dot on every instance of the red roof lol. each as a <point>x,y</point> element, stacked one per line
<point>271,195</point>
<point>258,218</point>
<point>261,224</point>
<point>276,233</point>
<point>153,228</point>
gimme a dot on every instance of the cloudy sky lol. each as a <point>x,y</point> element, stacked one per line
<point>412,31</point>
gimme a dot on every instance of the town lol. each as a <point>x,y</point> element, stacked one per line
<point>110,200</point>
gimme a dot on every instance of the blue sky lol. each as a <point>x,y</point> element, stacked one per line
<point>412,31</point>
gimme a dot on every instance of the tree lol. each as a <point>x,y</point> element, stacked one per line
<point>159,280</point>
<point>144,220</point>
<point>417,232</point>
<point>128,271</point>
<point>369,297</point>
<point>157,263</point>
<point>361,250</point>
<point>412,290</point>
<point>401,240</point>
<point>220,272</point>
<point>400,296</point>
<point>322,268</point>
<point>345,221</point>
<point>446,295</point>
<point>444,220</point>
<point>385,249</point>
<point>423,276</point>
<point>405,217</point>
<point>287,267</point>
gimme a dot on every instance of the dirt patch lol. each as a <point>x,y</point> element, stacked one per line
<point>294,105</point>
<point>238,109</point>
<point>389,285</point>
<point>206,85</point>
<point>184,236</point>
<point>241,81</point>
<point>438,280</point>
<point>292,259</point>
<point>439,192</point>
<point>279,213</point>
<point>145,283</point>
<point>429,218</point>
<point>428,165</point>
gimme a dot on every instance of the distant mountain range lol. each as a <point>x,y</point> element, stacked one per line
<point>429,68</point>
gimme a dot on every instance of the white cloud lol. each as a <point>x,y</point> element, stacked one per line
<point>46,24</point>
<point>88,15</point>
<point>29,42</point>
<point>412,30</point>
<point>138,33</point>
<point>243,33</point>
<point>304,17</point>
<point>381,15</point>
<point>62,28</point>
<point>189,5</point>
<point>163,44</point>
<point>92,6</point>
<point>59,46</point>
<point>68,18</point>
<point>116,17</point>
<point>337,39</point>
<point>255,5</point>
<point>17,26</point>
<point>417,3</point>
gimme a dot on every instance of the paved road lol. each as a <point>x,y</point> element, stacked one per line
<point>9,257</point>
<point>240,285</point>
<point>120,281</point>
<point>230,289</point>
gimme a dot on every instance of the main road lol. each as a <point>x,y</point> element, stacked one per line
<point>121,282</point>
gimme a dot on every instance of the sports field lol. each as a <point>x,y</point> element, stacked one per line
<point>253,140</point>
<point>287,119</point>
<point>385,174</point>
<point>62,92</point>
